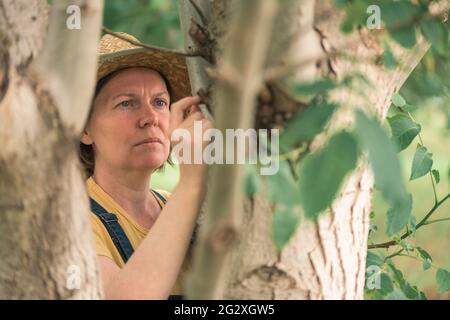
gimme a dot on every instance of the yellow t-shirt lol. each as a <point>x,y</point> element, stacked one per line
<point>103,243</point>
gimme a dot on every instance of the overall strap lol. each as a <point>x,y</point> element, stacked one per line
<point>117,234</point>
<point>114,229</point>
<point>160,196</point>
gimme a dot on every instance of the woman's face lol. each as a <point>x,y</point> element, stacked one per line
<point>129,125</point>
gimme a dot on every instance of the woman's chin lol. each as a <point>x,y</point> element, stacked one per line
<point>151,165</point>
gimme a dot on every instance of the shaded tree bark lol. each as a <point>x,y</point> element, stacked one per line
<point>238,80</point>
<point>46,245</point>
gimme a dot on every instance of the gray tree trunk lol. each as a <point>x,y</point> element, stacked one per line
<point>46,245</point>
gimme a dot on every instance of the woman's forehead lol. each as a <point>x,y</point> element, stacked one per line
<point>132,81</point>
<point>137,76</point>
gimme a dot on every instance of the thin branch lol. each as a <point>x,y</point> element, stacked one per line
<point>394,254</point>
<point>437,220</point>
<point>199,12</point>
<point>151,47</point>
<point>415,258</point>
<point>408,233</point>
<point>425,219</point>
<point>67,62</point>
<point>197,67</point>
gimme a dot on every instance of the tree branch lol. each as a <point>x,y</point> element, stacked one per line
<point>69,60</point>
<point>151,47</point>
<point>26,42</point>
<point>199,10</point>
<point>423,222</point>
<point>244,54</point>
<point>295,47</point>
<point>197,67</point>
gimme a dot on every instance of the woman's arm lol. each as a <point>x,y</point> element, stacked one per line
<point>152,270</point>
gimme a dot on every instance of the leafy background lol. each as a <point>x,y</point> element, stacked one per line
<point>156,22</point>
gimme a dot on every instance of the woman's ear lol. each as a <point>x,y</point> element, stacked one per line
<point>86,138</point>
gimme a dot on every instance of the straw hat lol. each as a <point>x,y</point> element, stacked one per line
<point>116,54</point>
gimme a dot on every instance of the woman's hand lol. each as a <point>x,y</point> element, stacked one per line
<point>184,113</point>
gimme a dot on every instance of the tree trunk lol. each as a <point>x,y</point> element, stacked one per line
<point>46,244</point>
<point>323,260</point>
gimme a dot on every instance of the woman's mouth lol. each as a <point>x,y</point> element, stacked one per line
<point>150,141</point>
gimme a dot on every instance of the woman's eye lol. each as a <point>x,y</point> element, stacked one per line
<point>125,104</point>
<point>160,103</point>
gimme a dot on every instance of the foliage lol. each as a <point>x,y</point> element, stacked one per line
<point>151,21</point>
<point>318,176</point>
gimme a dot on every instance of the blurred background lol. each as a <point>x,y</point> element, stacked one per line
<point>427,90</point>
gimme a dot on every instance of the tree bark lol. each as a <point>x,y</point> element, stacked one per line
<point>46,244</point>
<point>238,81</point>
<point>323,260</point>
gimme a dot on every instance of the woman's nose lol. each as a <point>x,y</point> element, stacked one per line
<point>149,116</point>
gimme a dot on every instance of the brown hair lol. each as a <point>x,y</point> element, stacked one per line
<point>86,152</point>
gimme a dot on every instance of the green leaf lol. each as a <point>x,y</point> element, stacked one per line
<point>313,87</point>
<point>399,216</point>
<point>408,108</point>
<point>425,255</point>
<point>340,3</point>
<point>396,294</point>
<point>436,175</point>
<point>422,162</point>
<point>435,32</point>
<point>396,13</point>
<point>282,186</point>
<point>398,100</point>
<point>404,130</point>
<point>374,259</point>
<point>431,84</point>
<point>406,36</point>
<point>285,222</point>
<point>389,60</point>
<point>427,260</point>
<point>386,284</point>
<point>305,125</point>
<point>426,264</point>
<point>383,158</point>
<point>355,15</point>
<point>411,292</point>
<point>251,182</point>
<point>443,280</point>
<point>321,174</point>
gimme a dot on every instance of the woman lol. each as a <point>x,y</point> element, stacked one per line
<point>141,242</point>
